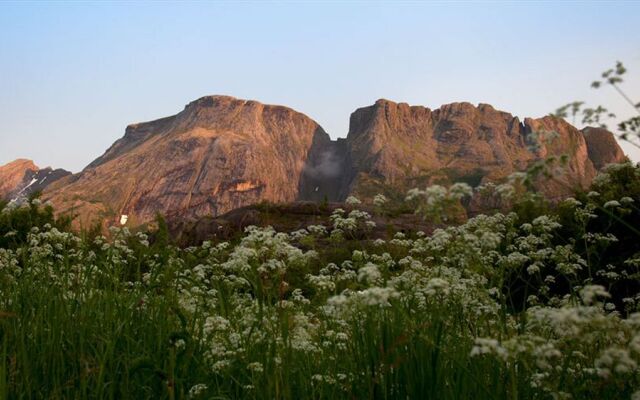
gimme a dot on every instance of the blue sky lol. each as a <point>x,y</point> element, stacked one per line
<point>73,75</point>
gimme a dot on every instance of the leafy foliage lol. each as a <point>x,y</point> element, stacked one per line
<point>628,130</point>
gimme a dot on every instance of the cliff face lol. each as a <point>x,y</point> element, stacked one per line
<point>406,146</point>
<point>222,153</point>
<point>22,177</point>
<point>218,154</point>
<point>602,147</point>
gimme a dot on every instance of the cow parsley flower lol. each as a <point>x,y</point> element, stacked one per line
<point>612,204</point>
<point>197,390</point>
<point>352,201</point>
<point>590,293</point>
<point>488,346</point>
<point>380,200</point>
<point>369,273</point>
<point>626,200</point>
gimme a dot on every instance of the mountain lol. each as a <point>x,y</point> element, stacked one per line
<point>221,153</point>
<point>22,177</point>
<point>218,154</point>
<point>399,146</point>
<point>602,147</point>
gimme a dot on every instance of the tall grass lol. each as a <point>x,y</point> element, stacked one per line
<point>500,307</point>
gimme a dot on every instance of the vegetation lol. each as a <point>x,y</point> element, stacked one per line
<point>538,301</point>
<point>628,129</point>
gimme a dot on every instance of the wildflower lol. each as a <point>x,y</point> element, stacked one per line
<point>460,190</point>
<point>546,223</point>
<point>317,230</point>
<point>369,273</point>
<point>615,360</point>
<point>571,201</point>
<point>437,285</point>
<point>221,365</point>
<point>533,268</point>
<point>377,296</point>
<point>484,346</point>
<point>352,201</point>
<point>602,179</point>
<point>626,200</point>
<point>505,191</point>
<point>593,194</point>
<point>379,200</point>
<point>379,242</point>
<point>180,344</point>
<point>197,390</point>
<point>590,293</point>
<point>611,204</point>
<point>414,194</point>
<point>255,367</point>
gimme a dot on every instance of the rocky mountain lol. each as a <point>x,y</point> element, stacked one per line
<point>602,147</point>
<point>218,154</point>
<point>399,146</point>
<point>22,177</point>
<point>222,153</point>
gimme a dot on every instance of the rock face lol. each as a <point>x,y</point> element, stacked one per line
<point>22,177</point>
<point>218,154</point>
<point>404,146</point>
<point>602,147</point>
<point>222,153</point>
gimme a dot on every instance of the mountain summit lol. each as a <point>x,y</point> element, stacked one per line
<point>218,154</point>
<point>221,153</point>
<point>401,146</point>
<point>22,177</point>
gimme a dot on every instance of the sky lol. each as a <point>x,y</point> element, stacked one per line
<point>73,75</point>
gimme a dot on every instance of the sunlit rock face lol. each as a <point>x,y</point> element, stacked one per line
<point>222,153</point>
<point>218,154</point>
<point>602,147</point>
<point>403,146</point>
<point>21,177</point>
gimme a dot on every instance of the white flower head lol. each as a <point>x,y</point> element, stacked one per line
<point>352,201</point>
<point>380,200</point>
<point>612,204</point>
<point>590,293</point>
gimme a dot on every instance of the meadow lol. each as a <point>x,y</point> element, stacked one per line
<point>532,300</point>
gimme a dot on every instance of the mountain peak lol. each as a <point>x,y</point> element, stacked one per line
<point>222,153</point>
<point>21,177</point>
<point>218,154</point>
<point>19,163</point>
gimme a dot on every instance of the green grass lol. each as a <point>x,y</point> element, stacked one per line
<point>502,307</point>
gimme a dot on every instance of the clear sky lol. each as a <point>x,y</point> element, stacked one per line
<point>73,75</point>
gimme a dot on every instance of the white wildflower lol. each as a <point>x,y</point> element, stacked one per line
<point>488,346</point>
<point>612,204</point>
<point>626,200</point>
<point>590,293</point>
<point>379,200</point>
<point>197,390</point>
<point>352,201</point>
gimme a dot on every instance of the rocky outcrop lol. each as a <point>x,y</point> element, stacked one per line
<point>602,147</point>
<point>401,146</point>
<point>218,154</point>
<point>22,177</point>
<point>222,153</point>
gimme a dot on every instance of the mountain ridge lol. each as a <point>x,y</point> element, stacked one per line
<point>221,153</point>
<point>21,177</point>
